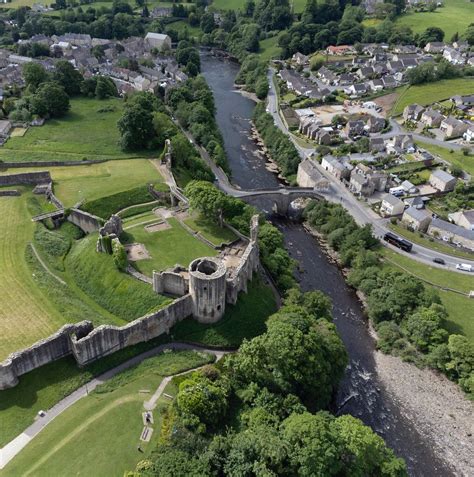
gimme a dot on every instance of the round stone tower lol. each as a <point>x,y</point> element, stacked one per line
<point>207,286</point>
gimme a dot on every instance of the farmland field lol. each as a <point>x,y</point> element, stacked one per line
<point>88,131</point>
<point>428,93</point>
<point>93,181</point>
<point>26,315</point>
<point>454,16</point>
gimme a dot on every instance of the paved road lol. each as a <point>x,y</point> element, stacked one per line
<point>363,215</point>
<point>10,450</point>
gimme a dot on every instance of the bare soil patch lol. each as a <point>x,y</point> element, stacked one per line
<point>386,102</point>
<point>137,251</point>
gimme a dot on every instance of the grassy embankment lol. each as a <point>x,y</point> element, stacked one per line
<point>43,387</point>
<point>93,181</point>
<point>434,245</point>
<point>454,16</point>
<point>92,423</point>
<point>88,131</point>
<point>460,308</point>
<point>429,93</point>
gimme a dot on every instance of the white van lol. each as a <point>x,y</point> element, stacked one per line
<point>464,267</point>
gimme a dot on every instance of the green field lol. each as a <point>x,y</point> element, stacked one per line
<point>460,308</point>
<point>429,93</point>
<point>454,157</point>
<point>88,131</point>
<point>26,314</point>
<point>108,421</point>
<point>167,247</point>
<point>298,5</point>
<point>210,230</point>
<point>93,181</point>
<point>454,16</point>
<point>269,48</point>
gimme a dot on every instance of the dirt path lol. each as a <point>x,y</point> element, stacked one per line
<point>45,266</point>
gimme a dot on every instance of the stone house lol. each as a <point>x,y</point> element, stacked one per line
<point>339,167</point>
<point>463,218</point>
<point>432,118</point>
<point>442,181</point>
<point>308,175</point>
<point>413,112</point>
<point>365,181</point>
<point>376,144</point>
<point>451,233</point>
<point>158,40</point>
<point>389,82</point>
<point>416,219</point>
<point>453,127</point>
<point>355,128</point>
<point>400,144</point>
<point>391,206</point>
<point>435,47</point>
<point>300,59</point>
<point>375,124</point>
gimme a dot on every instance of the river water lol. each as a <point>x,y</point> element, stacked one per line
<point>361,393</point>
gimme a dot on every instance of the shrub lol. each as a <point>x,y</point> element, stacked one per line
<point>120,255</point>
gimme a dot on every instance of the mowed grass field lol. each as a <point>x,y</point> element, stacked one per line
<point>93,181</point>
<point>454,16</point>
<point>167,247</point>
<point>88,131</point>
<point>455,157</point>
<point>429,93</point>
<point>460,308</point>
<point>210,230</point>
<point>298,5</point>
<point>26,315</point>
<point>106,425</point>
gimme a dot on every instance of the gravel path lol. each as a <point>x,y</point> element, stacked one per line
<point>436,406</point>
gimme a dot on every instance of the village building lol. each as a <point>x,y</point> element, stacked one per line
<point>432,118</point>
<point>442,180</point>
<point>158,40</point>
<point>365,181</point>
<point>452,233</point>
<point>339,167</point>
<point>453,127</point>
<point>400,144</point>
<point>300,59</point>
<point>463,218</point>
<point>413,112</point>
<point>416,219</point>
<point>308,175</point>
<point>468,136</point>
<point>435,47</point>
<point>391,206</point>
<point>415,202</point>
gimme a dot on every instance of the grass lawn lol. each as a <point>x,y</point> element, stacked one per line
<point>96,275</point>
<point>454,157</point>
<point>454,16</point>
<point>180,25</point>
<point>429,93</point>
<point>26,314</point>
<point>269,48</point>
<point>425,242</point>
<point>210,230</point>
<point>93,422</point>
<point>166,247</point>
<point>84,133</point>
<point>460,308</point>
<point>298,5</point>
<point>93,181</point>
<point>245,319</point>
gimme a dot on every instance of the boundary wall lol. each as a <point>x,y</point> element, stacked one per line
<point>27,178</point>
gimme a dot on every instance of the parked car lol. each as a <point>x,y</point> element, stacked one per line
<point>464,266</point>
<point>439,260</point>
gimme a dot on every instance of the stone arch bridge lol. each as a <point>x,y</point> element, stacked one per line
<point>276,200</point>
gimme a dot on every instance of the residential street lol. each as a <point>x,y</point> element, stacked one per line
<point>361,213</point>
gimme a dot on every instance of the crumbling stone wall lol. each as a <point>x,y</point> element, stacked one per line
<point>107,339</point>
<point>26,178</point>
<point>43,352</point>
<point>88,223</point>
<point>171,281</point>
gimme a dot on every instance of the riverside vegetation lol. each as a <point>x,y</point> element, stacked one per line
<point>408,316</point>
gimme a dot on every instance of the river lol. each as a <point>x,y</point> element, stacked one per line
<point>361,393</point>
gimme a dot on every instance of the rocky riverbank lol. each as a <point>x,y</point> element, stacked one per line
<point>437,407</point>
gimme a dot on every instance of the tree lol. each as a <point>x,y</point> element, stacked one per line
<point>204,197</point>
<point>297,354</point>
<point>461,363</point>
<point>316,303</point>
<point>136,127</point>
<point>50,100</point>
<point>469,34</point>
<point>431,34</point>
<point>34,74</point>
<point>67,76</point>
<point>105,88</point>
<point>203,398</point>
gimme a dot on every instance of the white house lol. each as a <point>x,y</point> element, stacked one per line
<point>416,219</point>
<point>391,206</point>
